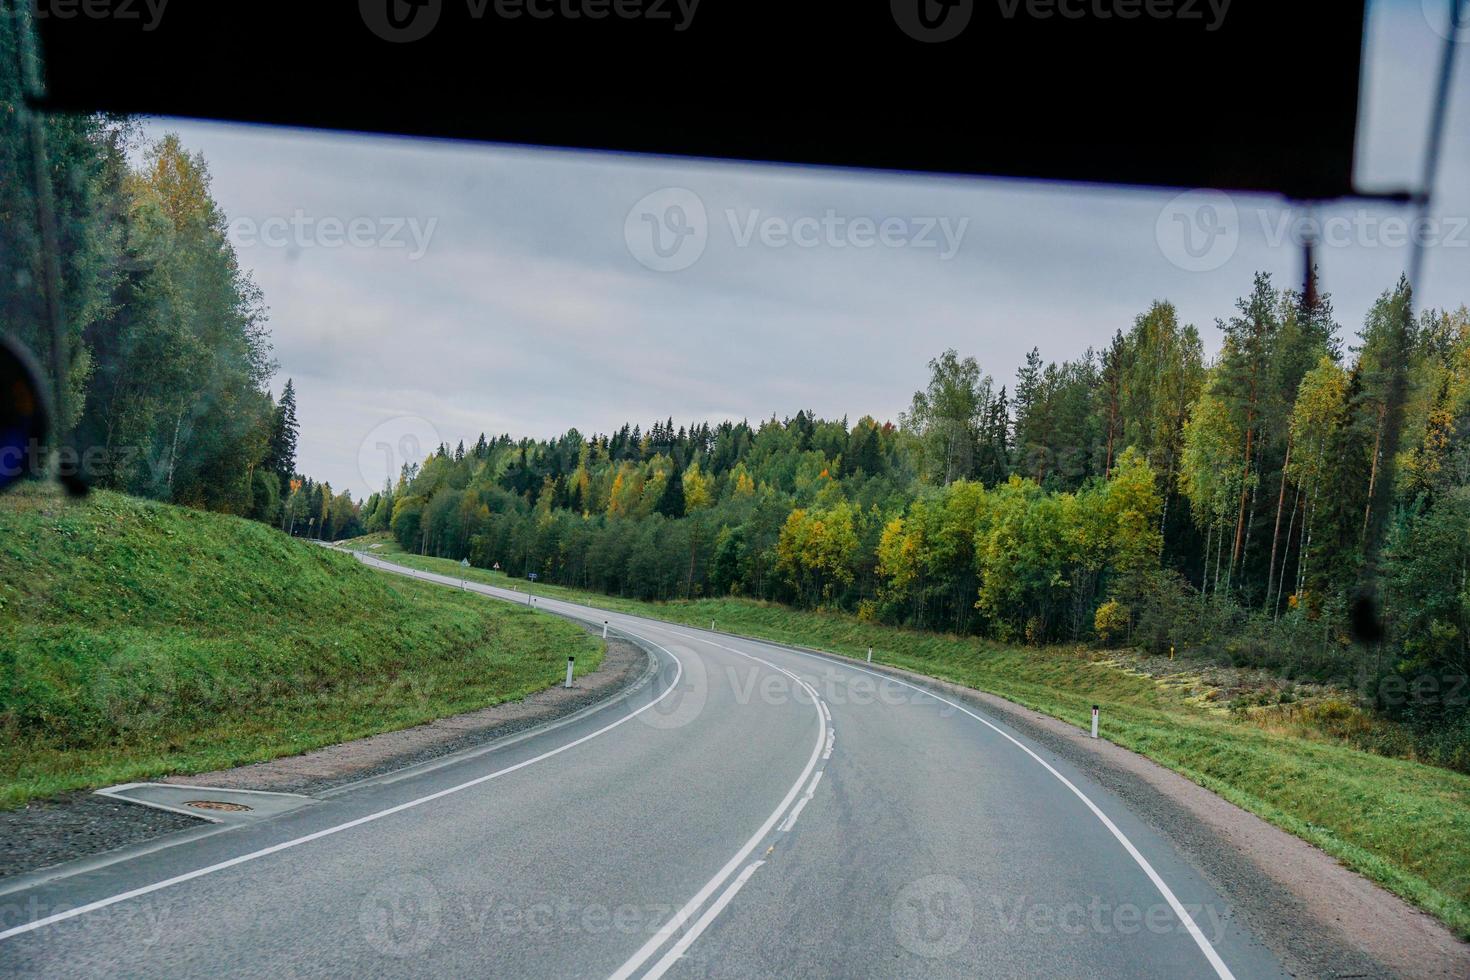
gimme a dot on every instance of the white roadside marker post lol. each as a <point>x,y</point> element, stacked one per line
<point>1094,721</point>
<point>604,629</point>
<point>870,654</point>
<point>571,663</point>
<point>712,626</point>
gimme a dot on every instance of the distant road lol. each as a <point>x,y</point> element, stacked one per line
<point>751,811</point>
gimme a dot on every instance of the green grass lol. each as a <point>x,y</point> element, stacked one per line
<point>139,640</point>
<point>1401,823</point>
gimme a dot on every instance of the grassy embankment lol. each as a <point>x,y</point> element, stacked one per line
<point>139,640</point>
<point>1401,823</point>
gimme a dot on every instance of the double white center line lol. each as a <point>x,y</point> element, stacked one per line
<point>811,791</point>
<point>693,906</point>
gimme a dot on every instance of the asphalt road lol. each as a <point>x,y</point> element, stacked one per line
<point>750,811</point>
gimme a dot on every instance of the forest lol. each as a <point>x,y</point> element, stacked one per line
<point>1288,501</point>
<point>169,392</point>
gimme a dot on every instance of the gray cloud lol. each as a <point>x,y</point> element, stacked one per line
<point>528,314</point>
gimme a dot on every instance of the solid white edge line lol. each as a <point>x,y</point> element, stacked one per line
<point>329,831</point>
<point>685,941</point>
<point>1185,918</point>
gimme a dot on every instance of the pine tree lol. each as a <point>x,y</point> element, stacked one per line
<point>1336,549</point>
<point>281,452</point>
<point>994,464</point>
<point>1387,348</point>
<point>1243,383</point>
<point>1028,385</point>
<point>671,501</point>
<point>1114,370</point>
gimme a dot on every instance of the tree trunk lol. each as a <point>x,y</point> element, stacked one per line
<point>1245,477</point>
<point>1169,483</point>
<point>174,450</point>
<point>1309,510</point>
<point>1219,548</point>
<point>1250,520</point>
<point>689,583</point>
<point>1276,532</point>
<point>1296,504</point>
<point>1204,574</point>
<point>1373,469</point>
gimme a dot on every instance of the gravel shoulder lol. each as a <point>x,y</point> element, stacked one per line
<point>72,826</point>
<point>336,765</point>
<point>76,825</point>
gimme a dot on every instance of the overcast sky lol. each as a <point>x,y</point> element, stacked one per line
<point>511,290</point>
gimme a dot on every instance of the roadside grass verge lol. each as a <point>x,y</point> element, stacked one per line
<point>1400,823</point>
<point>139,640</point>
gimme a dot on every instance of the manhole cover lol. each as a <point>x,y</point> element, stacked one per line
<point>218,805</point>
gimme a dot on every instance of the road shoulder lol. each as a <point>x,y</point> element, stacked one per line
<point>76,826</point>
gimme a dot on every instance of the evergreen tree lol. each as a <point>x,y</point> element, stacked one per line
<point>1243,384</point>
<point>1114,374</point>
<point>671,500</point>
<point>281,452</point>
<point>1336,550</point>
<point>1387,344</point>
<point>1030,426</point>
<point>992,462</point>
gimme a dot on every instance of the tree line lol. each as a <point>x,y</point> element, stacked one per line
<point>169,387</point>
<point>1242,503</point>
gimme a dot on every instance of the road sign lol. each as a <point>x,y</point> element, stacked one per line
<point>464,563</point>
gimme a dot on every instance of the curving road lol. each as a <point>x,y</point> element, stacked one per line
<point>748,810</point>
